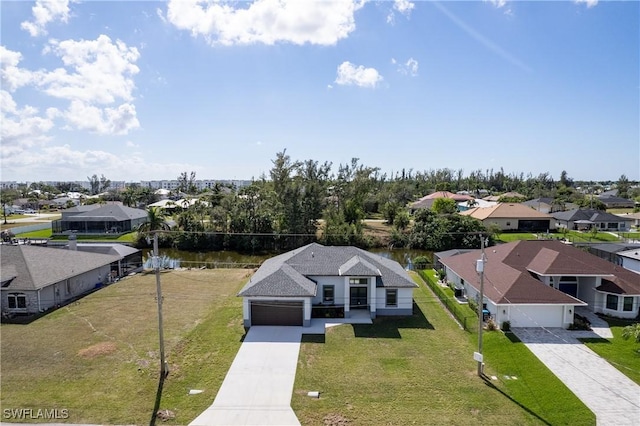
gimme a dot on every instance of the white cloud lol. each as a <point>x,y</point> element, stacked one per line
<point>402,6</point>
<point>101,71</point>
<point>11,75</point>
<point>498,3</point>
<point>265,21</point>
<point>589,3</point>
<point>107,121</point>
<point>408,68</point>
<point>350,75</point>
<point>65,163</point>
<point>46,11</point>
<point>501,4</point>
<point>22,128</point>
<point>131,144</point>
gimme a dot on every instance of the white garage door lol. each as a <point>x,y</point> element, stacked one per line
<point>536,316</point>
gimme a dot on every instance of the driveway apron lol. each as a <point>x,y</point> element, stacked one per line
<point>612,396</point>
<point>258,386</point>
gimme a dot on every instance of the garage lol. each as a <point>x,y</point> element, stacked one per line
<point>272,312</point>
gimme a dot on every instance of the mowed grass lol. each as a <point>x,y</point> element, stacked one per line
<point>508,237</point>
<point>99,357</point>
<point>420,370</point>
<point>622,354</point>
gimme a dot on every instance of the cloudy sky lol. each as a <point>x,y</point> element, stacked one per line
<point>146,90</point>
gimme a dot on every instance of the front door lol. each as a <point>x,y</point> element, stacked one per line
<point>358,297</point>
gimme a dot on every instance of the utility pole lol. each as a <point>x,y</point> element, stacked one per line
<point>480,269</point>
<point>164,370</point>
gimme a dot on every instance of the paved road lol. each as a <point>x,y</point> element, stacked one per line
<point>612,396</point>
<point>258,386</point>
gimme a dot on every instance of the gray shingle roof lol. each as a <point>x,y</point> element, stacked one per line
<point>37,267</point>
<point>112,212</point>
<point>588,214</point>
<point>290,274</point>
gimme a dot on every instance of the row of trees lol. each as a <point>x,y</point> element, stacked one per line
<point>302,201</point>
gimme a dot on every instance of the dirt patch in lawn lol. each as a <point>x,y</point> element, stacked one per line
<point>99,349</point>
<point>335,420</point>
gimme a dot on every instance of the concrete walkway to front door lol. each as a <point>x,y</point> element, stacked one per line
<point>257,388</point>
<point>612,396</point>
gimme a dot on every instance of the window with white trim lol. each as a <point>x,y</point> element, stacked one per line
<point>627,304</point>
<point>358,281</point>
<point>17,301</point>
<point>392,297</point>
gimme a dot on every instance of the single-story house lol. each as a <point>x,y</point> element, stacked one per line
<point>613,201</point>
<point>635,218</point>
<point>478,202</point>
<point>609,251</point>
<point>539,283</point>
<point>508,195</point>
<point>587,218</point>
<point>631,260</point>
<point>549,205</point>
<point>512,217</point>
<point>286,287</point>
<point>99,219</point>
<point>427,201</point>
<point>34,279</point>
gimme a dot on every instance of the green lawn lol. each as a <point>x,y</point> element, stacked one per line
<point>622,354</point>
<point>99,359</point>
<point>420,370</point>
<point>46,233</point>
<point>581,237</point>
<point>507,237</point>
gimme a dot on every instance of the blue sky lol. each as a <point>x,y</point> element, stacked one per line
<point>146,90</point>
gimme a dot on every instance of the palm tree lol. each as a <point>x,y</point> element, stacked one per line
<point>156,221</point>
<point>632,332</point>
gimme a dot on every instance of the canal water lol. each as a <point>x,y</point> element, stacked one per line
<point>231,259</point>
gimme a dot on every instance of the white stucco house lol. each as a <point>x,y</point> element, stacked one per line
<point>540,283</point>
<point>285,288</point>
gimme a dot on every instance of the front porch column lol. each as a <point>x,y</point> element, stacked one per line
<point>347,299</point>
<point>372,297</point>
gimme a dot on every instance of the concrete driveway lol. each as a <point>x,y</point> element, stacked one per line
<point>258,386</point>
<point>612,396</point>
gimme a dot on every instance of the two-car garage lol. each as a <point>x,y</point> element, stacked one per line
<point>277,312</point>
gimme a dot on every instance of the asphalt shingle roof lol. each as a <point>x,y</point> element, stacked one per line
<point>291,274</point>
<point>111,212</point>
<point>37,267</point>
<point>589,214</point>
<point>510,269</point>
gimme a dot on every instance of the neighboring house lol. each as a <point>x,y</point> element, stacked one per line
<point>63,202</point>
<point>129,258</point>
<point>549,205</point>
<point>587,218</point>
<point>286,287</point>
<point>539,283</point>
<point>610,251</point>
<point>635,218</point>
<point>35,279</point>
<point>496,198</point>
<point>613,201</point>
<point>427,201</point>
<point>631,260</point>
<point>478,202</point>
<point>99,219</point>
<point>512,217</point>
